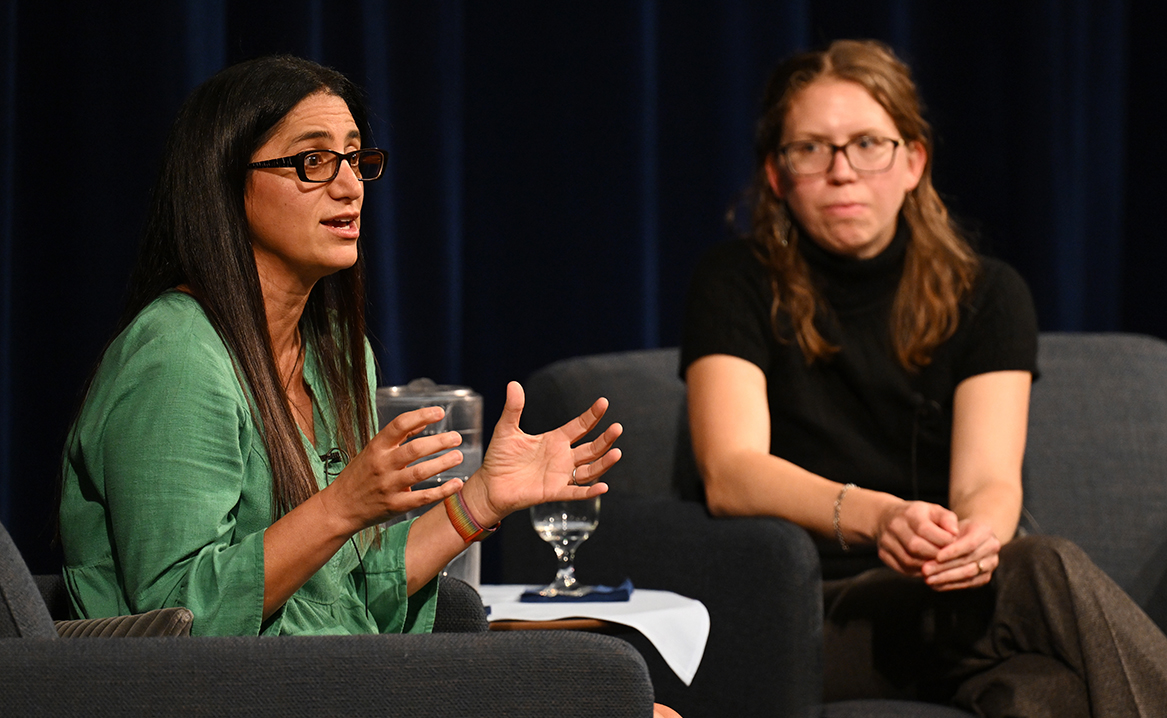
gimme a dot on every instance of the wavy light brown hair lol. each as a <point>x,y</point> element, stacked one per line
<point>940,266</point>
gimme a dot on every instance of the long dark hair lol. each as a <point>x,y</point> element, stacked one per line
<point>940,266</point>
<point>197,235</point>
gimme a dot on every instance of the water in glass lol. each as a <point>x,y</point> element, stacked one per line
<point>565,525</point>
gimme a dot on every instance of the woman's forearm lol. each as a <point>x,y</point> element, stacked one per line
<point>989,420</point>
<point>433,542</point>
<point>296,546</point>
<point>996,503</point>
<point>753,483</point>
<point>730,421</point>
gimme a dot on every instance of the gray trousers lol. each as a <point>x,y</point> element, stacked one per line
<point>1051,635</point>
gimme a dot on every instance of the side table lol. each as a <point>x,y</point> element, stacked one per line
<point>676,626</point>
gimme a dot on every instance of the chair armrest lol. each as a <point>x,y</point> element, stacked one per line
<point>758,577</point>
<point>564,673</point>
<point>460,608</point>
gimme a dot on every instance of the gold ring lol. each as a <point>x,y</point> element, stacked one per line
<point>980,568</point>
<point>573,483</point>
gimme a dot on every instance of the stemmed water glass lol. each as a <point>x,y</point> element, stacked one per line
<point>565,525</point>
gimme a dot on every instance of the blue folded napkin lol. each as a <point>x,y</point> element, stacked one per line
<point>623,592</point>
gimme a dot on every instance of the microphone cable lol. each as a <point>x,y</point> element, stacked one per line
<point>330,458</point>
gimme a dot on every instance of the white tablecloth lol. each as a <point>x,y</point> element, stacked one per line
<point>677,626</point>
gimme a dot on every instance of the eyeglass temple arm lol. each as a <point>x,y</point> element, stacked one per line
<point>281,162</point>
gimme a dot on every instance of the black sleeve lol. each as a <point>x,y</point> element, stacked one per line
<point>1001,331</point>
<point>728,308</point>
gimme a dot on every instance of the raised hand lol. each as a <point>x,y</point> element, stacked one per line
<point>520,470</point>
<point>377,484</point>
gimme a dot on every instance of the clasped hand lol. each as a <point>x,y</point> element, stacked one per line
<point>922,539</point>
<point>518,470</point>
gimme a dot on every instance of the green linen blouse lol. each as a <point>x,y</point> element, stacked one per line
<point>168,490</point>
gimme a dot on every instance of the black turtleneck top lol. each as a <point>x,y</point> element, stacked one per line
<point>858,416</point>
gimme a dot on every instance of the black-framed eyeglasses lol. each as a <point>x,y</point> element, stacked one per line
<point>865,153</point>
<point>323,165</point>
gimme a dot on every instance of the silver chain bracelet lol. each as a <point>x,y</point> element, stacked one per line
<point>839,505</point>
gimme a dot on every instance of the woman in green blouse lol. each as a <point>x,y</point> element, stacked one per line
<point>209,464</point>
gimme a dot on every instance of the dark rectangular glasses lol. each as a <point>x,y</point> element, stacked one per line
<point>323,165</point>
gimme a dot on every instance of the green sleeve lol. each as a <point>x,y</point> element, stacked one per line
<point>391,607</point>
<point>384,575</point>
<point>177,453</point>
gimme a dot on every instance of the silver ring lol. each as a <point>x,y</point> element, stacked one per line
<point>573,483</point>
<point>980,568</point>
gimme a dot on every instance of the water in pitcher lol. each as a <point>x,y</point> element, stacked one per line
<point>463,407</point>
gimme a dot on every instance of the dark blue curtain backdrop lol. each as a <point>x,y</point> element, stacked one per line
<point>557,168</point>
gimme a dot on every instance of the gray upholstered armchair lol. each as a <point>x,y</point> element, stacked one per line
<point>1096,472</point>
<point>1096,459</point>
<point>448,674</point>
<point>759,578</point>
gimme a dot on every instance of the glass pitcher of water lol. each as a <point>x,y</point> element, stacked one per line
<point>463,407</point>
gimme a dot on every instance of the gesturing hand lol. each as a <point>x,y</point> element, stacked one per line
<point>520,470</point>
<point>377,484</point>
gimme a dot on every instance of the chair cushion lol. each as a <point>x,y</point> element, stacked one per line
<point>152,624</point>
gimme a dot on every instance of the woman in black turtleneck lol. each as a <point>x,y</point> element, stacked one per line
<point>854,367</point>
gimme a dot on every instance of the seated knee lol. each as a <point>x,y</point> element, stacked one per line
<point>1040,552</point>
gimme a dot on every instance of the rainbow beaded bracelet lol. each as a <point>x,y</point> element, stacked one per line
<point>464,523</point>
